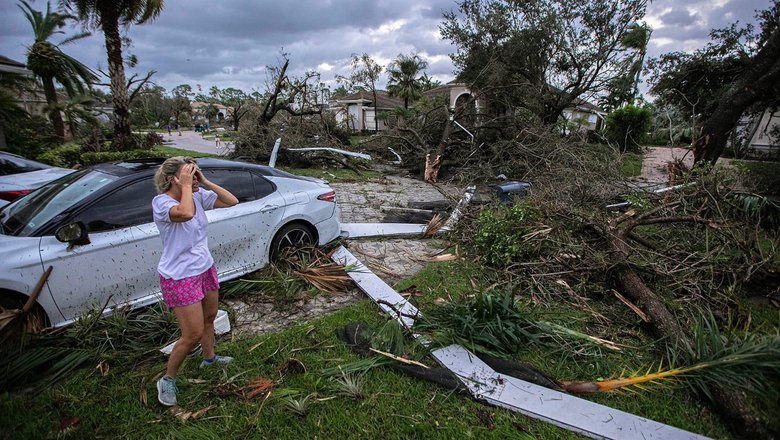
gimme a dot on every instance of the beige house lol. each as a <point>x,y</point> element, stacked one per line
<point>356,111</point>
<point>199,112</point>
<point>31,102</point>
<point>583,117</point>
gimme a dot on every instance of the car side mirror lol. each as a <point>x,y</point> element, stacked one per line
<point>73,233</point>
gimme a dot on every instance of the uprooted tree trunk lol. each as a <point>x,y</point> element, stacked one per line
<point>433,159</point>
<point>289,95</point>
<point>760,80</point>
<point>731,404</point>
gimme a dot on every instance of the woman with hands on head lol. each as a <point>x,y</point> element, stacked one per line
<point>188,276</point>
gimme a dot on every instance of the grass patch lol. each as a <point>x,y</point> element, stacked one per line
<point>357,139</point>
<point>762,177</point>
<point>393,405</point>
<point>335,175</point>
<point>676,406</point>
<point>631,165</point>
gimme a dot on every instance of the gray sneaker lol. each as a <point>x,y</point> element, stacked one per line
<point>166,391</point>
<point>216,360</point>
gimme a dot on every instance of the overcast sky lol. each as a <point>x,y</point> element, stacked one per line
<point>229,43</point>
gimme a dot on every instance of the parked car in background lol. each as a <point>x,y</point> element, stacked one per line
<point>95,228</point>
<point>12,164</point>
<point>20,176</point>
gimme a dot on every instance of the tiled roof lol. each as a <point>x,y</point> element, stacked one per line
<point>383,100</point>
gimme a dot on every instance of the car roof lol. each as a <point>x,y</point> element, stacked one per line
<point>16,158</point>
<point>136,166</point>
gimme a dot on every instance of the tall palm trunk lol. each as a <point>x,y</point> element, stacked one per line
<point>51,101</point>
<point>122,134</point>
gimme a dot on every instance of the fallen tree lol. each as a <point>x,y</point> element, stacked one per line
<point>693,249</point>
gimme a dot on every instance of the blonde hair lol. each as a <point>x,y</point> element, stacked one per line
<point>168,169</point>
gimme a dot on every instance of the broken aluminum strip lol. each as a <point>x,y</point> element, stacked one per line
<point>356,230</point>
<point>274,153</point>
<point>397,162</point>
<point>376,289</point>
<point>561,409</point>
<point>333,150</point>
<point>458,211</point>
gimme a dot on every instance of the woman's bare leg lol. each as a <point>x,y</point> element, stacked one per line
<point>190,319</point>
<point>210,303</point>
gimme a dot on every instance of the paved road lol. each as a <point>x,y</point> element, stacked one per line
<point>189,140</point>
<point>656,158</point>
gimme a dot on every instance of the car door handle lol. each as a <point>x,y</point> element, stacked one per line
<point>267,208</point>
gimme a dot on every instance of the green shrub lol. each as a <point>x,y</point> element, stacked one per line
<point>30,136</point>
<point>95,157</point>
<point>65,156</point>
<point>628,126</point>
<point>69,155</point>
<point>501,231</point>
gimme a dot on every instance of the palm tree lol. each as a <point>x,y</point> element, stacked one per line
<point>636,38</point>
<point>404,81</point>
<point>49,63</point>
<point>108,15</point>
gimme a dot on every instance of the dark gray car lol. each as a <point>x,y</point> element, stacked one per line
<point>20,176</point>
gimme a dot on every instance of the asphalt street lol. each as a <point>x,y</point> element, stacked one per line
<point>190,140</point>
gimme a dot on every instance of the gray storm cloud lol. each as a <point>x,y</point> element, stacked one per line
<point>228,44</point>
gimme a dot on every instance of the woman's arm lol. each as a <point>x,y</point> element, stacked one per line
<point>185,210</point>
<point>224,197</point>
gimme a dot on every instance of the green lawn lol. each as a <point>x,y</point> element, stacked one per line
<point>170,152</point>
<point>762,177</point>
<point>334,174</point>
<point>394,405</point>
<point>631,165</point>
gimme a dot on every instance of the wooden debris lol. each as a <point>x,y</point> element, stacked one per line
<point>443,257</point>
<point>631,306</point>
<point>184,415</point>
<point>398,358</point>
<point>433,226</point>
<point>257,386</point>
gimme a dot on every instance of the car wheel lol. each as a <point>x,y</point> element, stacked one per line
<point>291,237</point>
<point>11,300</point>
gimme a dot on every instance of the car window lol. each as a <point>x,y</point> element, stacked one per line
<point>29,213</point>
<point>127,206</point>
<point>238,182</point>
<point>262,186</point>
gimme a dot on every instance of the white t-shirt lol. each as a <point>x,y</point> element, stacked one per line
<point>185,244</point>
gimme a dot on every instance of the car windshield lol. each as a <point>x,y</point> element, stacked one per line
<point>29,213</point>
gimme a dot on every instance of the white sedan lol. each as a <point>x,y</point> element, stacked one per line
<point>95,228</point>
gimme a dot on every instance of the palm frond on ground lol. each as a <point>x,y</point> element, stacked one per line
<point>739,360</point>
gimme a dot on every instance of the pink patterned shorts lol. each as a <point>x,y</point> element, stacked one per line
<point>190,290</point>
